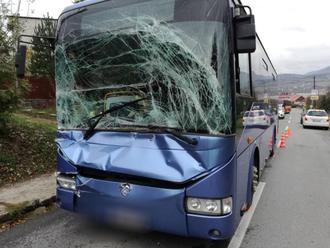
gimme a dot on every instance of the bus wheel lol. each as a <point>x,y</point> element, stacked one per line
<point>255,180</point>
<point>254,183</point>
<point>272,151</point>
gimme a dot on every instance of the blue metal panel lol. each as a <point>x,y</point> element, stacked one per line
<point>157,156</point>
<point>219,184</point>
<point>143,207</point>
<point>63,165</point>
<point>200,226</point>
<point>65,198</point>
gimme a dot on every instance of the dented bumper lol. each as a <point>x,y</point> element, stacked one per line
<point>152,203</point>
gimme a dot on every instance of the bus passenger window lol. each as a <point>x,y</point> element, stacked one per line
<point>244,76</point>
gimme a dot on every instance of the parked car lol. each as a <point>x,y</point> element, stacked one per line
<point>316,118</point>
<point>281,114</point>
<point>256,118</point>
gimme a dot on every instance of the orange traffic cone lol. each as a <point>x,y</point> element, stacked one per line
<point>289,131</point>
<point>282,144</point>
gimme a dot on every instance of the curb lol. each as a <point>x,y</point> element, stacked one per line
<point>33,205</point>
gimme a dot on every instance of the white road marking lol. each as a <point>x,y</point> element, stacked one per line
<point>237,239</point>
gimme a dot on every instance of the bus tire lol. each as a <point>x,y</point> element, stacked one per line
<point>254,179</point>
<point>272,151</point>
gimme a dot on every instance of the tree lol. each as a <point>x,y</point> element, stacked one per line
<point>10,92</point>
<point>325,101</point>
<point>42,58</point>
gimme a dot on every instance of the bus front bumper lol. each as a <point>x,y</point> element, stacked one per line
<point>143,208</point>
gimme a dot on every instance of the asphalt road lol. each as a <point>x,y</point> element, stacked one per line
<point>62,229</point>
<point>294,210</point>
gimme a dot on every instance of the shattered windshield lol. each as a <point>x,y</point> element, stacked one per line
<point>115,52</point>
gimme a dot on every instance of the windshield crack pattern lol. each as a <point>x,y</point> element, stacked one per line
<point>143,57</point>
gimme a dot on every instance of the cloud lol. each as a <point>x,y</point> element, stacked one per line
<point>295,35</point>
<point>294,29</point>
<point>304,59</point>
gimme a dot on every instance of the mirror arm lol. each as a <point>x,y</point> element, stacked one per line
<point>50,39</point>
<point>239,6</point>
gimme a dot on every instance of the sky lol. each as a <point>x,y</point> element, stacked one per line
<point>294,32</point>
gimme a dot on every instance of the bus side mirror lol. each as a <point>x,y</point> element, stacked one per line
<point>20,60</point>
<point>245,33</point>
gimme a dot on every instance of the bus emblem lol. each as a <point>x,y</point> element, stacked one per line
<point>125,188</point>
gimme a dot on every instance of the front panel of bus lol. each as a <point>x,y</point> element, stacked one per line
<point>162,156</point>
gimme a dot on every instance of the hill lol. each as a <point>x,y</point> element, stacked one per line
<point>324,71</point>
<point>298,83</point>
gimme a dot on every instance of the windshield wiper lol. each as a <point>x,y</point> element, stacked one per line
<point>176,132</point>
<point>90,131</point>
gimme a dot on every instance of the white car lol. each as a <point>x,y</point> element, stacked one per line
<point>281,114</point>
<point>256,118</point>
<point>316,118</point>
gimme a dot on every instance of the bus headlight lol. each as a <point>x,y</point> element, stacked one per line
<point>66,181</point>
<point>227,205</point>
<point>209,206</point>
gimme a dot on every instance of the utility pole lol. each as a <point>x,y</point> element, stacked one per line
<point>314,95</point>
<point>19,7</point>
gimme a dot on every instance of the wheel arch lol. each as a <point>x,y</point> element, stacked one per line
<point>255,156</point>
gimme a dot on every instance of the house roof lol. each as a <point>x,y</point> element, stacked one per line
<point>296,98</point>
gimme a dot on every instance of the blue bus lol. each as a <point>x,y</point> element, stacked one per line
<point>160,121</point>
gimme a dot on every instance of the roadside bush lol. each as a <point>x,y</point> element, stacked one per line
<point>325,102</point>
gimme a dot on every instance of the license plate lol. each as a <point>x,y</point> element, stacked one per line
<point>128,219</point>
<point>316,120</point>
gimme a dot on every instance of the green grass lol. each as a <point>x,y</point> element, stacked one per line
<point>46,113</point>
<point>27,148</point>
<point>26,121</point>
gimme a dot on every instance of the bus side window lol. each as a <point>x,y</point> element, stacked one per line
<point>244,77</point>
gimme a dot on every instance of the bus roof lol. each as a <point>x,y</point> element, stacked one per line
<point>81,4</point>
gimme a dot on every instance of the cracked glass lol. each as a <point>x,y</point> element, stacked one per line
<point>107,56</point>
